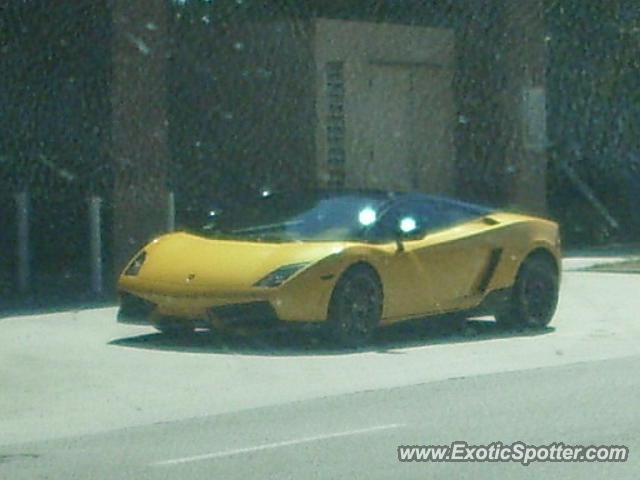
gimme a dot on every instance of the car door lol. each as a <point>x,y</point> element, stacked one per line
<point>442,261</point>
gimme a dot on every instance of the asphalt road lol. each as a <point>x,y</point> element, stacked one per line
<point>84,397</point>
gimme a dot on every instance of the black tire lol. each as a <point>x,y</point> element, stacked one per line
<point>534,295</point>
<point>355,307</point>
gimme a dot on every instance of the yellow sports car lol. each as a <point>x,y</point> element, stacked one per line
<point>355,260</point>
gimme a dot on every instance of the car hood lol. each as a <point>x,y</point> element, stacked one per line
<point>182,258</point>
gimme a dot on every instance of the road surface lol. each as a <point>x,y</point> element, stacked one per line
<point>84,397</point>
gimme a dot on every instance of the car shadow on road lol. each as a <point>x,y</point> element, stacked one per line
<point>300,342</point>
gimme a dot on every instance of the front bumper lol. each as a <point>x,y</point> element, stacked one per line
<point>251,314</point>
<point>134,310</point>
<point>304,299</point>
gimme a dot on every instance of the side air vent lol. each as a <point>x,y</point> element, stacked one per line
<point>492,264</point>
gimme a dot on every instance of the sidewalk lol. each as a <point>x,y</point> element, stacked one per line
<point>614,258</point>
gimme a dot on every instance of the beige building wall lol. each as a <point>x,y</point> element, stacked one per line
<point>391,86</point>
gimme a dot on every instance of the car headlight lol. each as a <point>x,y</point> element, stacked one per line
<point>135,266</point>
<point>280,275</point>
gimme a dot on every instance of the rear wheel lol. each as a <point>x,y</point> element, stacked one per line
<point>534,296</point>
<point>356,306</point>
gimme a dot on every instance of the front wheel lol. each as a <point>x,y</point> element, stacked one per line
<point>356,306</point>
<point>534,296</point>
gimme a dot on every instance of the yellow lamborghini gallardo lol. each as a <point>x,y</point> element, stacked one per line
<point>355,260</point>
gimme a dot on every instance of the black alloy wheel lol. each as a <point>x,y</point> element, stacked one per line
<point>534,296</point>
<point>356,306</point>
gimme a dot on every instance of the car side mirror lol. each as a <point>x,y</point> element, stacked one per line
<point>399,238</point>
<point>407,227</point>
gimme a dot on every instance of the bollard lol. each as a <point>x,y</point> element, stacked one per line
<point>171,212</point>
<point>95,229</point>
<point>24,260</point>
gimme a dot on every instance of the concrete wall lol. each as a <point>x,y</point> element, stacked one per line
<point>268,110</point>
<point>265,96</point>
<point>139,150</point>
<point>501,57</point>
<point>242,112</point>
<point>523,99</point>
<point>398,104</point>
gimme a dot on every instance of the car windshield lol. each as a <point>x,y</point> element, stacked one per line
<point>335,217</point>
<point>298,216</point>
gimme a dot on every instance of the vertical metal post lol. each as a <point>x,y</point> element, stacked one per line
<point>171,212</point>
<point>95,223</point>
<point>24,260</point>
